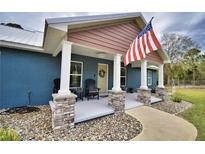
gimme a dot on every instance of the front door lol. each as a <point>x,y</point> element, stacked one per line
<point>103,77</point>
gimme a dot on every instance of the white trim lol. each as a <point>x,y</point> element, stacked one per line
<point>81,82</point>
<point>57,50</point>
<point>21,46</point>
<point>93,18</point>
<point>59,47</point>
<point>107,74</point>
<point>123,76</point>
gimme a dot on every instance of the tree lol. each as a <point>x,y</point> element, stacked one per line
<point>192,60</point>
<point>12,25</point>
<point>176,46</point>
<point>202,66</point>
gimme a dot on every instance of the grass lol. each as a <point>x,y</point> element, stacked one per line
<point>7,134</point>
<point>196,114</point>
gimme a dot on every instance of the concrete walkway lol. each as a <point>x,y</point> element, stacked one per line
<point>162,126</point>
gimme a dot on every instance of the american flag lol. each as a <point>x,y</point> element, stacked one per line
<point>145,43</point>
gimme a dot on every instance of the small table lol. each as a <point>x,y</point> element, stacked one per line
<point>78,92</point>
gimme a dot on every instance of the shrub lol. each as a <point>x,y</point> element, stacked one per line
<point>176,98</point>
<point>7,134</point>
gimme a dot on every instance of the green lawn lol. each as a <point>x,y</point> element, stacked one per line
<point>196,114</point>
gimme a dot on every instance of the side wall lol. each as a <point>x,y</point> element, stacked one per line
<point>23,72</point>
<point>134,77</point>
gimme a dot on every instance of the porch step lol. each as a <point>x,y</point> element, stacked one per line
<point>155,100</point>
<point>92,116</point>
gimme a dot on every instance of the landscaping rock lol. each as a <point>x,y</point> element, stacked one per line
<point>172,107</point>
<point>38,126</point>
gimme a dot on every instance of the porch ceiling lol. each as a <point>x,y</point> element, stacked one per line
<point>101,54</point>
<point>91,52</point>
<point>151,65</point>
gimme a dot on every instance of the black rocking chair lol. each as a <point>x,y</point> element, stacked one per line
<point>56,85</point>
<point>90,89</point>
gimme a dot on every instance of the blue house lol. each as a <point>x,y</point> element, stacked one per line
<point>74,49</point>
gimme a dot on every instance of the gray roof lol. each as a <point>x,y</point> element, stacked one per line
<point>35,38</point>
<point>10,34</point>
<point>92,18</point>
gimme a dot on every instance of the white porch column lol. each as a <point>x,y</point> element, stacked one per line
<point>65,68</point>
<point>116,72</point>
<point>143,75</point>
<point>161,76</point>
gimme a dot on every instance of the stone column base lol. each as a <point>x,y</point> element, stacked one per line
<point>63,113</point>
<point>144,96</point>
<point>117,101</point>
<point>161,93</point>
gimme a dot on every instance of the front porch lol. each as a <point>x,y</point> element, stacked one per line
<point>87,110</point>
<point>78,65</point>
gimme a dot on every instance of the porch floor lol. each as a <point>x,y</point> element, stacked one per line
<point>86,110</point>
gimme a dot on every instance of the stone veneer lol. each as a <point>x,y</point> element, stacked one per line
<point>117,101</point>
<point>63,112</point>
<point>161,93</point>
<point>144,96</point>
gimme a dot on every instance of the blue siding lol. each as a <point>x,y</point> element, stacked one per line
<point>27,71</point>
<point>154,78</point>
<point>134,77</point>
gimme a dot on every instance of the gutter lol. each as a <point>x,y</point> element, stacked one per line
<point>21,46</point>
<point>92,18</point>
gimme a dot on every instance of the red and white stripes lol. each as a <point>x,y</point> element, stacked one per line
<point>141,46</point>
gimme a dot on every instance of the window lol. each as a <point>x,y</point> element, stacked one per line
<point>123,77</point>
<point>149,78</point>
<point>76,74</point>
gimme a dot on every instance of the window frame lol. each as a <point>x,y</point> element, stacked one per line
<point>149,77</point>
<point>121,76</point>
<point>81,80</point>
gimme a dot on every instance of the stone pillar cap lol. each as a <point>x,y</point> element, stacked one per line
<point>63,96</point>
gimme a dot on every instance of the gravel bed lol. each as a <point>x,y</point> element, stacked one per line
<point>37,126</point>
<point>172,107</point>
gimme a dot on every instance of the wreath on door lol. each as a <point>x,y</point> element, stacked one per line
<point>102,73</point>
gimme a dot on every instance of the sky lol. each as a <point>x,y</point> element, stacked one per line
<point>191,24</point>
